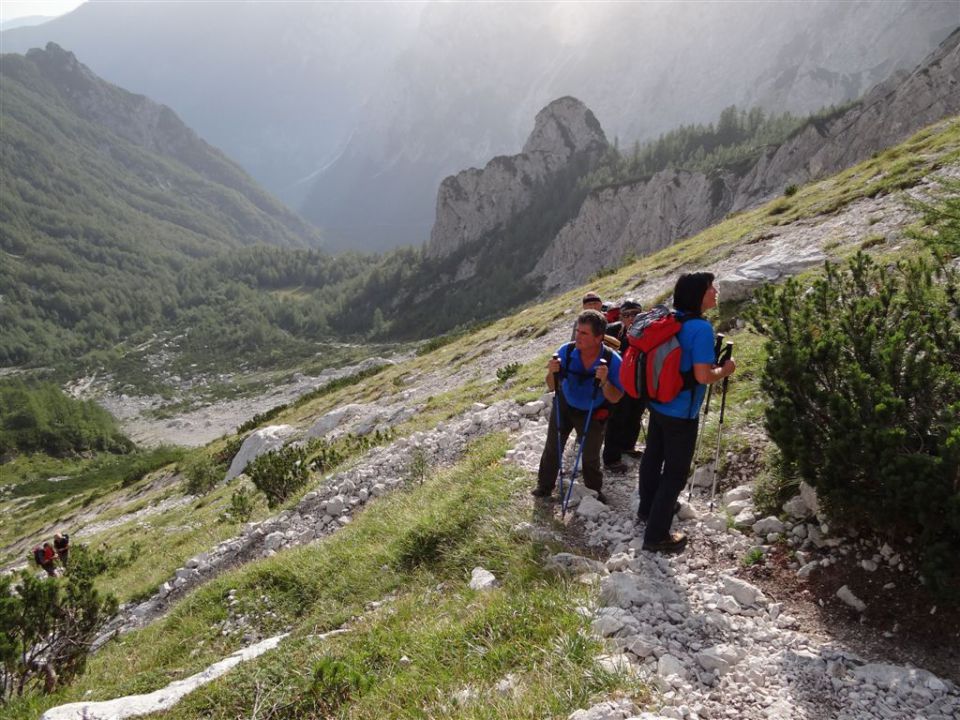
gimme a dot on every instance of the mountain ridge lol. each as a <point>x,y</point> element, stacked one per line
<point>418,107</point>
<point>99,213</point>
<point>640,217</point>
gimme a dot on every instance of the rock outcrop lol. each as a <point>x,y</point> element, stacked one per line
<point>634,218</point>
<point>886,115</point>
<point>475,202</point>
<point>645,216</point>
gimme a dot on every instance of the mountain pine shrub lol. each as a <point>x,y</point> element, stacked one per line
<point>47,624</point>
<point>863,377</point>
<point>279,473</point>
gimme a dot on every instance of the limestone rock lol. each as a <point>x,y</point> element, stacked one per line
<point>719,658</point>
<point>846,594</point>
<point>769,525</point>
<point>809,496</point>
<point>796,507</point>
<point>781,261</point>
<point>609,710</point>
<point>482,579</point>
<point>475,202</point>
<point>591,508</point>
<point>741,590</point>
<point>260,442</point>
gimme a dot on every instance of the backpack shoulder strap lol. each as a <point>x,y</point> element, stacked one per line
<point>567,351</point>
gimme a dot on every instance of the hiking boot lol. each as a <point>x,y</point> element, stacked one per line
<point>540,492</point>
<point>618,467</point>
<point>673,543</point>
<point>634,453</point>
<point>601,497</point>
<point>644,518</point>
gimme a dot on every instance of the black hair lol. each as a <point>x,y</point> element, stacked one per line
<point>595,319</point>
<point>689,291</point>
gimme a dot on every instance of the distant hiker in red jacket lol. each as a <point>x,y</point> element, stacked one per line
<point>44,557</point>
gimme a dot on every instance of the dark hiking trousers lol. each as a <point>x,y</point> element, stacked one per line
<point>663,471</point>
<point>572,419</point>
<point>623,428</point>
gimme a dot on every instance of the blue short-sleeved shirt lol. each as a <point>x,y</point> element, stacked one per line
<point>578,382</point>
<point>696,347</point>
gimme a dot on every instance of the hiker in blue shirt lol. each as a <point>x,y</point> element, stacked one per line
<point>579,365</point>
<point>672,433</point>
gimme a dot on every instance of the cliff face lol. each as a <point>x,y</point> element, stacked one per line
<point>887,114</point>
<point>475,202</point>
<point>637,218</point>
<point>645,216</point>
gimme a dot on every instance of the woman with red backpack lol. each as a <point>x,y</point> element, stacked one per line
<point>672,431</point>
<point>44,557</point>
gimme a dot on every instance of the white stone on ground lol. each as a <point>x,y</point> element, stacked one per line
<point>482,579</point>
<point>159,700</point>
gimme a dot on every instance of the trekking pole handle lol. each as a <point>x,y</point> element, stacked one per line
<point>596,380</point>
<point>556,375</point>
<point>727,355</point>
<point>718,345</point>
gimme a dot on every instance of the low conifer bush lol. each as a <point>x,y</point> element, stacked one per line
<point>863,377</point>
<point>47,625</point>
<point>280,473</point>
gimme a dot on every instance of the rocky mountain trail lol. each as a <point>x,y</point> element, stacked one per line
<point>712,638</point>
<point>326,508</point>
<point>715,639</point>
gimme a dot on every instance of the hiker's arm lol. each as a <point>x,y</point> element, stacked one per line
<point>611,393</point>
<point>707,374</point>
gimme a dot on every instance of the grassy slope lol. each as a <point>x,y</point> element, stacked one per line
<point>416,550</point>
<point>896,168</point>
<point>890,171</point>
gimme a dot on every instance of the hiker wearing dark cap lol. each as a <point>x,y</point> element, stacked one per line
<point>590,301</point>
<point>579,366</point>
<point>672,433</point>
<point>626,417</point>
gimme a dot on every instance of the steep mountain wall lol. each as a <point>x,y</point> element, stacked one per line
<point>476,202</point>
<point>637,218</point>
<point>887,114</point>
<point>463,90</point>
<point>355,112</point>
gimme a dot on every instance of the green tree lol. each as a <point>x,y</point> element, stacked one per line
<point>47,625</point>
<point>863,376</point>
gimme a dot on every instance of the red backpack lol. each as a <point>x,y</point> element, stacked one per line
<point>650,368</point>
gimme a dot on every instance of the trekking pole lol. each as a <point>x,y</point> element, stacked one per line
<point>706,411</point>
<point>583,440</point>
<point>727,354</point>
<point>556,421</point>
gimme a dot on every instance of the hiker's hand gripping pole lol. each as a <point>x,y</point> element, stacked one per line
<point>727,355</point>
<point>583,440</point>
<point>717,346</point>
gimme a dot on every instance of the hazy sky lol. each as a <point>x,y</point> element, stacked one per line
<point>10,9</point>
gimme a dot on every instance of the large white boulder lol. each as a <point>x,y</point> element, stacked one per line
<point>262,441</point>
